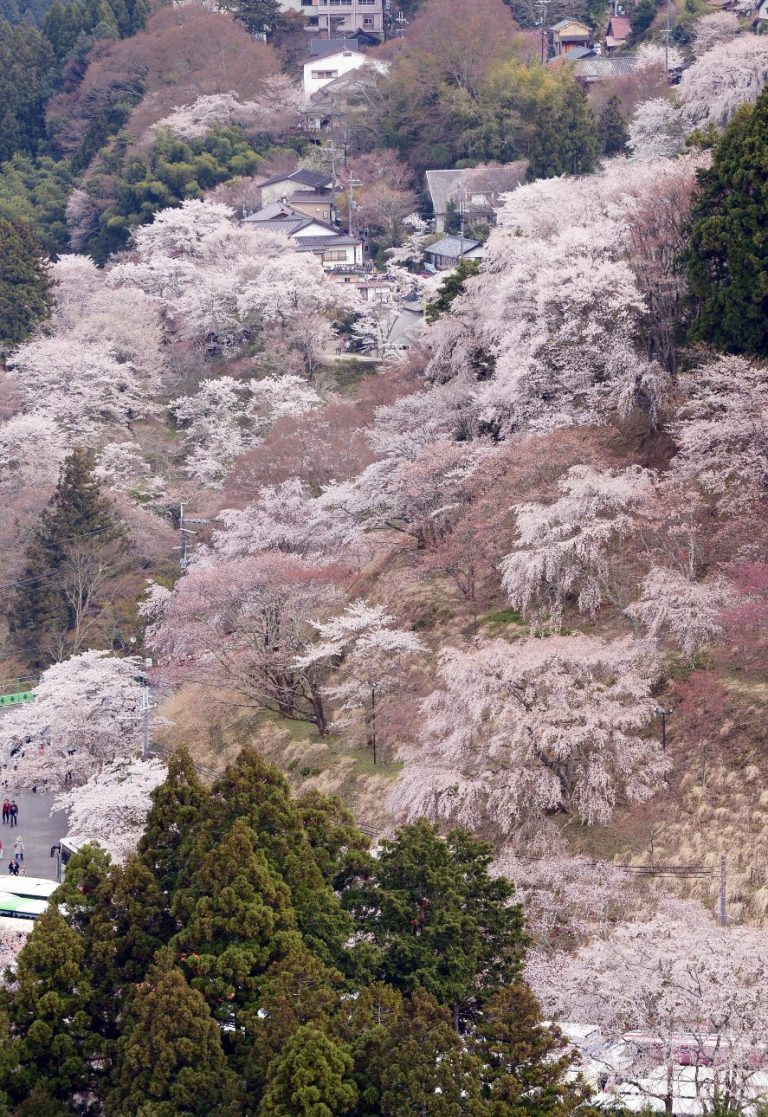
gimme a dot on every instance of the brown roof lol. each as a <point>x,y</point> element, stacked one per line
<point>619,27</point>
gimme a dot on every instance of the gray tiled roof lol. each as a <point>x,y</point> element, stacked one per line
<point>601,69</point>
<point>341,241</point>
<point>452,246</point>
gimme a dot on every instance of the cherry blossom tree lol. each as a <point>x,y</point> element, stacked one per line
<point>569,899</point>
<point>85,714</point>
<point>519,731</point>
<point>710,30</point>
<point>721,430</point>
<point>80,385</point>
<point>111,807</point>
<point>688,611</point>
<point>243,624</point>
<point>728,75</point>
<point>276,110</point>
<point>575,547</point>
<point>32,449</point>
<point>122,468</point>
<point>372,653</point>
<point>657,130</point>
<point>284,518</point>
<point>227,416</point>
<point>689,998</point>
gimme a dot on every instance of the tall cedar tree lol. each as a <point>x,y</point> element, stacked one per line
<point>131,922</point>
<point>178,806</point>
<point>297,990</point>
<point>27,72</point>
<point>54,1033</point>
<point>170,1060</point>
<point>527,1062</point>
<point>25,286</point>
<point>612,129</point>
<point>439,920</point>
<point>78,515</point>
<point>250,789</point>
<point>429,1069</point>
<point>311,1078</point>
<point>565,142</point>
<point>728,247</point>
<point>236,920</point>
<point>366,1025</point>
<point>257,16</point>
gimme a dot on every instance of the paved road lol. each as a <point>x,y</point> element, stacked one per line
<point>39,830</point>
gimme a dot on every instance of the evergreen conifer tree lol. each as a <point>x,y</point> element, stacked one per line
<point>236,920</point>
<point>439,919</point>
<point>311,1078</point>
<point>728,248</point>
<point>367,1026</point>
<point>78,515</point>
<point>428,1069</point>
<point>25,286</point>
<point>527,1064</point>
<point>297,990</point>
<point>612,129</point>
<point>55,1039</point>
<point>179,804</point>
<point>257,16</point>
<point>565,140</point>
<point>170,1061</point>
<point>251,789</point>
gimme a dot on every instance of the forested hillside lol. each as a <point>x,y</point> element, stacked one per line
<point>404,685</point>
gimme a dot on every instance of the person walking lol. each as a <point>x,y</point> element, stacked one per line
<point>6,810</point>
<point>14,813</point>
<point>18,846</point>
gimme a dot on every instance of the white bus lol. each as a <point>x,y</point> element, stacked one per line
<point>25,897</point>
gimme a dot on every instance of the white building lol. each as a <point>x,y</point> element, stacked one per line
<point>340,17</point>
<point>325,68</point>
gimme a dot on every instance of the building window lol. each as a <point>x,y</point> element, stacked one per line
<point>367,21</point>
<point>335,255</point>
<point>319,75</point>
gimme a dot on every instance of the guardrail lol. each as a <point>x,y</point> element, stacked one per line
<point>18,690</point>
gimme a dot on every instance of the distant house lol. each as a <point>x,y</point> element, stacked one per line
<point>325,68</point>
<point>406,327</point>
<point>569,33</point>
<point>477,191</point>
<point>596,68</point>
<point>282,187</point>
<point>336,98</point>
<point>336,250</point>
<point>617,33</point>
<point>447,253</point>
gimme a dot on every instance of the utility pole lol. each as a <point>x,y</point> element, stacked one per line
<point>664,715</point>
<point>372,733</point>
<point>666,44</point>
<point>184,531</point>
<point>723,909</point>
<point>353,182</point>
<point>145,706</point>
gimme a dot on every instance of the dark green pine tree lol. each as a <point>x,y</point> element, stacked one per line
<point>295,991</point>
<point>179,804</point>
<point>79,515</point>
<point>236,919</point>
<point>565,136</point>
<point>428,1069</point>
<point>366,1023</point>
<point>526,1064</point>
<point>452,285</point>
<point>88,871</point>
<point>25,286</point>
<point>251,789</point>
<point>130,923</point>
<point>55,1040</point>
<point>612,128</point>
<point>256,15</point>
<point>338,846</point>
<point>728,248</point>
<point>170,1061</point>
<point>438,918</point>
<point>312,1077</point>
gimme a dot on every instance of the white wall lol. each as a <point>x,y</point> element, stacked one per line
<point>319,72</point>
